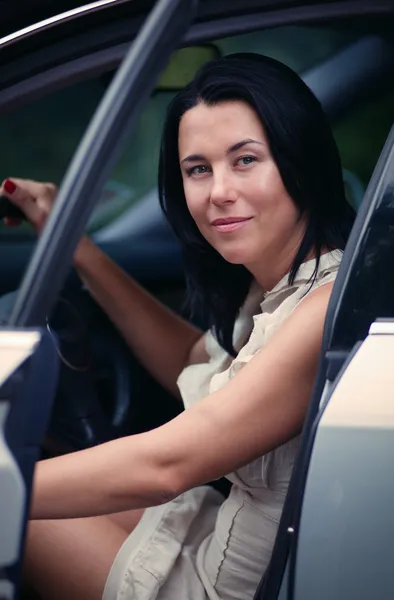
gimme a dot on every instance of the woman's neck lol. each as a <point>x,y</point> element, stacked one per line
<point>271,270</point>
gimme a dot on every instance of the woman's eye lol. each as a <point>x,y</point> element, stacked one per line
<point>246,160</point>
<point>197,170</point>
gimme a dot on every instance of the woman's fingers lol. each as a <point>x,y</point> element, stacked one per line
<point>33,198</point>
<point>23,200</point>
<point>36,189</point>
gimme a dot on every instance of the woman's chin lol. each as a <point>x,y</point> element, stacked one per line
<point>238,252</point>
<point>234,257</point>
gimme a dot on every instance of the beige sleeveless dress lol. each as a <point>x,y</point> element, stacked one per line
<point>199,546</point>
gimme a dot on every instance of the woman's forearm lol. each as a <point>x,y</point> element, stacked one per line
<point>101,480</point>
<point>160,339</point>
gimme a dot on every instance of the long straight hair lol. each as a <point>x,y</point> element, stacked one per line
<point>304,150</point>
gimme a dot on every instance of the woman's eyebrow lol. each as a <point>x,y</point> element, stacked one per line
<point>192,158</point>
<point>234,148</point>
<point>239,145</point>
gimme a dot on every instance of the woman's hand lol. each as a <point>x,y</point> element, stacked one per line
<point>33,198</point>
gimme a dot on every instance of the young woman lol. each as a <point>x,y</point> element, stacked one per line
<point>250,179</point>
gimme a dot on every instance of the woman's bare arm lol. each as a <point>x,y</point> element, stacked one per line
<point>161,340</point>
<point>262,407</point>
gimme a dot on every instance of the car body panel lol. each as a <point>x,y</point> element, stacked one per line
<point>345,547</point>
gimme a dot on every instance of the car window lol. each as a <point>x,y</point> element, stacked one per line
<point>361,134</point>
<point>42,136</point>
<point>300,48</point>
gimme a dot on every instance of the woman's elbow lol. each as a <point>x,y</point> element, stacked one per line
<point>172,484</point>
<point>168,483</point>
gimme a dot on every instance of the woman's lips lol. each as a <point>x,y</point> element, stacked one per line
<point>230,224</point>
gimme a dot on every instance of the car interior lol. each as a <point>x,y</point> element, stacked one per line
<point>102,390</point>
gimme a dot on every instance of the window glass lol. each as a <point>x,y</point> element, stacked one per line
<point>298,47</point>
<point>361,135</point>
<point>42,136</point>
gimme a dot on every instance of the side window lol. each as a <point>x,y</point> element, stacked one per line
<point>42,137</point>
<point>301,48</point>
<point>360,137</point>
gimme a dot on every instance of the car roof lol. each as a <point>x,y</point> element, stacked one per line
<point>16,15</point>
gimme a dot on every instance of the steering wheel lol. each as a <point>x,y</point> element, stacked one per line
<point>80,418</point>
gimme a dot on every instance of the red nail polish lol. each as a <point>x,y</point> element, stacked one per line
<point>9,186</point>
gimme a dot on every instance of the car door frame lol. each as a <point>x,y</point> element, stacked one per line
<point>135,78</point>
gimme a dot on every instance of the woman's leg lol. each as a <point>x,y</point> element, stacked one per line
<point>70,559</point>
<point>127,520</point>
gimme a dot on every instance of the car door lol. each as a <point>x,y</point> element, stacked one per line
<point>343,548</point>
<point>336,531</point>
<point>24,336</point>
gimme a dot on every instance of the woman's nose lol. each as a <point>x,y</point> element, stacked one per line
<point>222,191</point>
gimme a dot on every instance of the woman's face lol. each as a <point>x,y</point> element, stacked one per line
<point>232,185</point>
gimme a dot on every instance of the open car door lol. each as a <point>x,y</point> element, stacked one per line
<point>28,360</point>
<point>336,533</point>
<point>345,525</point>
